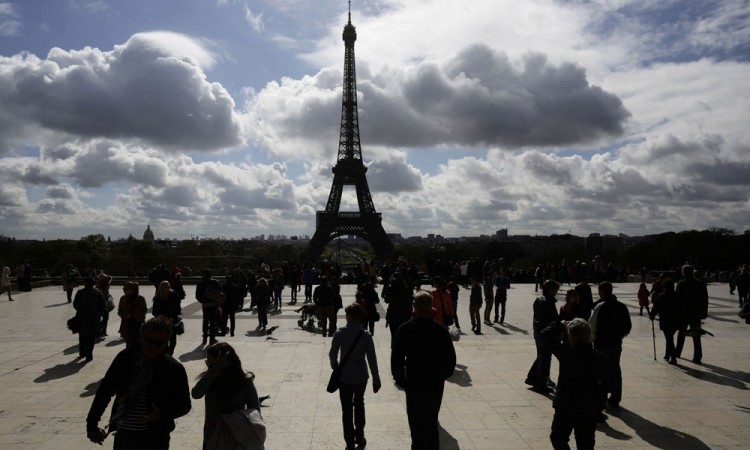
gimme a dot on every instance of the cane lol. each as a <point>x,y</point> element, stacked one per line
<point>653,332</point>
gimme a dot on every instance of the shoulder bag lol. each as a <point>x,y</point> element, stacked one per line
<point>335,381</point>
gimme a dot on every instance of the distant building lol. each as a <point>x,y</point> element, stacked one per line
<point>148,235</point>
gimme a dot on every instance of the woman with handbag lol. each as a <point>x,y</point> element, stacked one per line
<point>354,344</point>
<point>167,303</point>
<point>132,311</point>
<point>228,390</point>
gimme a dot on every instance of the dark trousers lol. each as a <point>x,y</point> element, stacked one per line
<point>455,313</point>
<point>564,423</point>
<point>613,352</point>
<point>263,315</point>
<point>140,440</point>
<point>294,293</point>
<point>352,398</point>
<point>539,371</point>
<point>670,351</point>
<point>697,347</point>
<point>422,409</point>
<point>105,321</point>
<point>500,302</point>
<point>228,318</point>
<point>210,321</point>
<point>308,292</point>
<point>69,294</point>
<point>327,319</point>
<point>86,345</point>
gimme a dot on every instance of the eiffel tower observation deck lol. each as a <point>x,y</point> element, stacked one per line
<point>349,170</point>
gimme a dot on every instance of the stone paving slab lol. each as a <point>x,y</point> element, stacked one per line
<point>47,392</point>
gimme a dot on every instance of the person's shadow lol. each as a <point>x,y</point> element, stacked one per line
<point>460,376</point>
<point>514,328</point>
<point>447,442</point>
<point>719,375</point>
<point>90,389</point>
<point>499,329</point>
<point>193,355</point>
<point>60,371</point>
<point>655,435</point>
<point>57,304</point>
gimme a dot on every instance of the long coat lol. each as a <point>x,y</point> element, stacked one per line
<point>89,306</point>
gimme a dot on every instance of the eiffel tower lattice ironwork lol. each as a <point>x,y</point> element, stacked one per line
<point>349,170</point>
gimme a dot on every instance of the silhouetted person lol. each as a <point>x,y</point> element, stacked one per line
<point>422,358</point>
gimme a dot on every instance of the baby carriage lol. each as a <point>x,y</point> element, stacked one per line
<point>307,316</point>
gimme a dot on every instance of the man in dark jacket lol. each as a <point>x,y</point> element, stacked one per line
<point>580,385</point>
<point>89,306</point>
<point>324,298</point>
<point>150,389</point>
<point>210,306</point>
<point>545,313</point>
<point>585,297</point>
<point>693,296</point>
<point>610,323</point>
<point>422,358</point>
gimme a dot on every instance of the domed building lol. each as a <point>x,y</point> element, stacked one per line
<point>148,235</point>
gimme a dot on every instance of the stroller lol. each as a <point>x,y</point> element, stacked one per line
<point>307,316</point>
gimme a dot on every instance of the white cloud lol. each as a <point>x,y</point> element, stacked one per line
<point>255,20</point>
<point>151,89</point>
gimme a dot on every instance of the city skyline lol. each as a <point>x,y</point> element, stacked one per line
<point>221,118</point>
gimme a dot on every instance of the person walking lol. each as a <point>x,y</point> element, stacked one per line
<point>475,304</point>
<point>454,289</point>
<point>643,294</point>
<point>581,383</point>
<point>6,284</point>
<point>132,310</point>
<point>442,304</point>
<point>502,283</point>
<point>204,291</point>
<point>89,306</point>
<point>166,302</point>
<point>488,287</point>
<point>545,313</point>
<point>103,282</point>
<point>398,295</point>
<point>693,296</point>
<point>351,345</point>
<point>263,298</point>
<point>610,323</point>
<point>150,389</point>
<point>226,387</point>
<point>422,358</point>
<point>70,281</point>
<point>324,298</point>
<point>671,318</point>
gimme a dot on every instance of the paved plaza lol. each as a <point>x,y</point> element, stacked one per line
<point>46,391</point>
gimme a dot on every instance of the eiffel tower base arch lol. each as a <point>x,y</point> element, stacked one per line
<point>367,226</point>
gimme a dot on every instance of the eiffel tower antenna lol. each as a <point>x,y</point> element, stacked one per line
<point>349,170</point>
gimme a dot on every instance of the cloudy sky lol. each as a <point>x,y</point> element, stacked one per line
<point>221,117</point>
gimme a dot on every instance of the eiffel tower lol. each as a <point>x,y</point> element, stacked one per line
<point>349,170</point>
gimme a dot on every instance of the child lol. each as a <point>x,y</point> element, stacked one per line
<point>643,293</point>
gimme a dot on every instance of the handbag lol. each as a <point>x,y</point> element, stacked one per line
<point>109,303</point>
<point>375,316</point>
<point>73,325</point>
<point>178,327</point>
<point>455,334</point>
<point>335,381</point>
